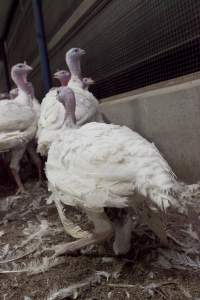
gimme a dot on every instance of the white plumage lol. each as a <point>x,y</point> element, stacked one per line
<point>50,121</point>
<point>36,105</point>
<point>18,120</point>
<point>102,165</point>
<point>51,115</point>
<point>52,112</point>
<point>87,106</point>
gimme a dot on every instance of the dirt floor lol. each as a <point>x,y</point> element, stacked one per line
<point>30,229</point>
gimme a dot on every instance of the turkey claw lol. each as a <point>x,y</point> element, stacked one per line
<point>22,192</point>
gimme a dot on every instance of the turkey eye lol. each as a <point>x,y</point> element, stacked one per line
<point>76,50</point>
<point>20,66</point>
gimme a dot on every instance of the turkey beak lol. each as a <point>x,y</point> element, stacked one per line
<point>82,52</point>
<point>28,68</point>
<point>91,81</point>
<point>55,76</point>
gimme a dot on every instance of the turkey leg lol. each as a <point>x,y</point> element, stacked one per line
<point>16,156</point>
<point>102,231</point>
<point>70,228</point>
<point>36,159</point>
<point>123,229</point>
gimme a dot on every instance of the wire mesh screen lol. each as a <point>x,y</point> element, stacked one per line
<point>153,40</point>
<point>134,43</point>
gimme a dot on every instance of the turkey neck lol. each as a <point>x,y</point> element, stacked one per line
<point>86,87</point>
<point>74,66</point>
<point>70,121</point>
<point>63,81</point>
<point>23,88</point>
<point>70,116</point>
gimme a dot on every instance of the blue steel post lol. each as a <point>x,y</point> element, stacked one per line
<point>41,40</point>
<point>5,63</point>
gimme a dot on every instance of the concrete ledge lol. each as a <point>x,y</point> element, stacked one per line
<point>168,116</point>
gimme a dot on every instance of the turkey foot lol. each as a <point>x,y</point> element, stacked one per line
<point>21,191</point>
<point>70,228</point>
<point>84,242</point>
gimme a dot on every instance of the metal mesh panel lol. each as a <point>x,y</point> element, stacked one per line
<point>134,43</point>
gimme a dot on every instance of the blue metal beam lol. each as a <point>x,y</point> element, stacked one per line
<point>41,40</point>
<point>5,63</point>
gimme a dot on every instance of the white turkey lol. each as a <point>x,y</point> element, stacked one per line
<point>87,106</point>
<point>52,112</point>
<point>51,116</point>
<point>18,120</point>
<point>50,123</point>
<point>32,144</point>
<point>99,166</point>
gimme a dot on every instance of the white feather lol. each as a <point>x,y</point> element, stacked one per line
<point>18,121</point>
<point>101,165</point>
<point>53,114</point>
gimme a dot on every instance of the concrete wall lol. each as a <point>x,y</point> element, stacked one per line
<point>170,117</point>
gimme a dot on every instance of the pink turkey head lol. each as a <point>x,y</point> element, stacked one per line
<point>87,82</point>
<point>73,57</point>
<point>63,76</point>
<point>74,53</point>
<point>67,98</point>
<point>20,71</point>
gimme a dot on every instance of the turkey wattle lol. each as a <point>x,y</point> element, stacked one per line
<point>102,166</point>
<point>18,120</point>
<point>51,116</point>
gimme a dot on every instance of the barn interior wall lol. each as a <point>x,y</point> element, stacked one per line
<point>129,44</point>
<point>170,117</point>
<point>172,121</point>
